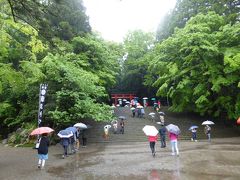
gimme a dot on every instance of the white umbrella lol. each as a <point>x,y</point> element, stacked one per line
<point>150,130</point>
<point>145,98</point>
<point>151,113</point>
<point>107,126</point>
<point>207,122</point>
<point>81,125</point>
<point>173,129</point>
<point>132,108</point>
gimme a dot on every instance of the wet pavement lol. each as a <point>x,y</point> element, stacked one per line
<point>219,159</point>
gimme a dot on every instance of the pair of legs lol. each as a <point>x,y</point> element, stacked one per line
<point>152,147</point>
<point>122,130</point>
<point>163,141</point>
<point>41,160</point>
<point>84,142</point>
<point>194,136</point>
<point>65,150</point>
<point>209,136</point>
<point>174,145</point>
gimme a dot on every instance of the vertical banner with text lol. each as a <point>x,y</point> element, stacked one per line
<point>42,95</point>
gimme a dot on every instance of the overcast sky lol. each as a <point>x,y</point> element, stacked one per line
<point>114,18</point>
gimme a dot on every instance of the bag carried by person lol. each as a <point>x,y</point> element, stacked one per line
<point>38,144</point>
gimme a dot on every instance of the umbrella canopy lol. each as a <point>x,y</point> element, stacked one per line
<point>122,117</point>
<point>108,126</point>
<point>153,99</point>
<point>139,107</point>
<point>173,129</point>
<point>161,113</point>
<point>193,127</point>
<point>207,122</point>
<point>65,134</point>
<point>150,130</point>
<point>73,129</point>
<point>81,126</point>
<point>41,130</point>
<point>132,108</point>
<point>151,113</point>
<point>145,98</point>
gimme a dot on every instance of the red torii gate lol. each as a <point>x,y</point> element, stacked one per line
<point>122,96</point>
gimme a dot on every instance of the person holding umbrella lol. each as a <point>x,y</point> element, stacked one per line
<point>43,144</point>
<point>162,133</point>
<point>207,131</point>
<point>193,129</point>
<point>152,141</point>
<point>152,134</point>
<point>43,150</point>
<point>65,140</point>
<point>174,131</point>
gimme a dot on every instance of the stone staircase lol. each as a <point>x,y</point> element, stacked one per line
<point>134,133</point>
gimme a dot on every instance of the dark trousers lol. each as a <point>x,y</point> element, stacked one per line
<point>163,141</point>
<point>84,141</point>
<point>122,130</point>
<point>65,149</point>
<point>152,147</point>
<point>194,135</point>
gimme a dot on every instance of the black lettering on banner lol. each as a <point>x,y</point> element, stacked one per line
<point>42,95</point>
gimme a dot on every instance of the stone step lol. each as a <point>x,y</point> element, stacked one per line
<point>134,133</point>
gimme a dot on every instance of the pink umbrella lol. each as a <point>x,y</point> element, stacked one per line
<point>41,130</point>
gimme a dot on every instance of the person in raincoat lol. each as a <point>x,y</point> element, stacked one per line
<point>43,150</point>
<point>152,141</point>
<point>174,143</point>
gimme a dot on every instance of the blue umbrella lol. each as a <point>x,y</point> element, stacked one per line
<point>73,129</point>
<point>193,127</point>
<point>65,134</point>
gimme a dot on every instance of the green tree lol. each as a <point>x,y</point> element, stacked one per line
<point>136,45</point>
<point>185,9</point>
<point>194,67</point>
